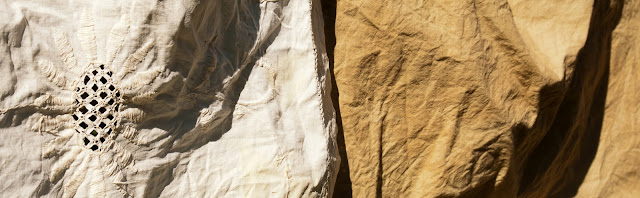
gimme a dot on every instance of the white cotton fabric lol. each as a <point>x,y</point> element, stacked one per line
<point>229,99</point>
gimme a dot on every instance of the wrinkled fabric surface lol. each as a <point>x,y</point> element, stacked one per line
<point>488,98</point>
<point>237,105</point>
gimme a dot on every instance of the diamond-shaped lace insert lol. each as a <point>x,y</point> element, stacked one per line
<point>98,104</point>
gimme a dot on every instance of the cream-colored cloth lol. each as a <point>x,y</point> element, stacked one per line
<point>165,98</point>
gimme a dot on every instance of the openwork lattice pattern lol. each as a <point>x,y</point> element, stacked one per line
<point>98,105</point>
<point>99,111</point>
